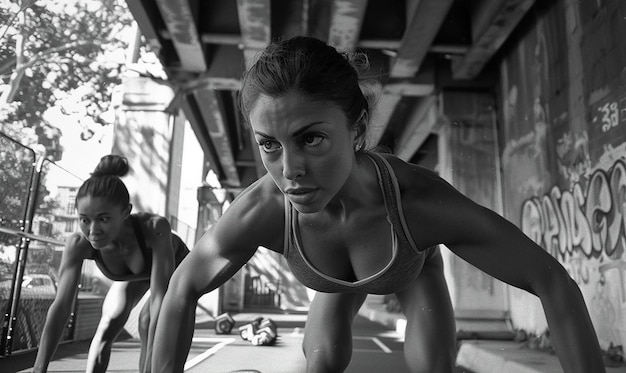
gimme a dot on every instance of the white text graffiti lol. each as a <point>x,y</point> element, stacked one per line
<point>590,221</point>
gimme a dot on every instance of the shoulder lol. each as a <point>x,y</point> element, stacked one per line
<point>153,226</point>
<point>262,192</point>
<point>152,222</point>
<point>424,193</point>
<point>256,215</point>
<point>262,198</point>
<point>413,178</point>
<point>77,248</point>
<point>436,210</point>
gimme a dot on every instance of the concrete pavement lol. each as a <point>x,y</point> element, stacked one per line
<point>474,356</point>
<point>499,355</point>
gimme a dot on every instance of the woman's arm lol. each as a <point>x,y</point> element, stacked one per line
<point>162,268</point>
<point>255,218</point>
<point>500,249</point>
<point>56,319</point>
<point>202,271</point>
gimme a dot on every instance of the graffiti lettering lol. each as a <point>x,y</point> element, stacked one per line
<point>564,222</point>
<point>609,113</point>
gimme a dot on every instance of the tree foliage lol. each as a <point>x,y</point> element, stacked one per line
<point>16,164</point>
<point>52,48</point>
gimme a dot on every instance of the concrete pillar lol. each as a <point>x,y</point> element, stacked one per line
<point>143,133</point>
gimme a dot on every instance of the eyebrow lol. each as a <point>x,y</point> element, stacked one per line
<point>298,132</point>
<point>97,215</point>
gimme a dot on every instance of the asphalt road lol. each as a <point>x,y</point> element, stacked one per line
<point>375,349</point>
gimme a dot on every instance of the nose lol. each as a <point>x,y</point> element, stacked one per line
<point>293,164</point>
<point>94,227</point>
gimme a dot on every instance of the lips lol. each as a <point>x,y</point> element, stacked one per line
<point>301,196</point>
<point>96,240</point>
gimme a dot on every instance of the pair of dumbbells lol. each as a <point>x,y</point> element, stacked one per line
<point>260,332</point>
<point>224,323</point>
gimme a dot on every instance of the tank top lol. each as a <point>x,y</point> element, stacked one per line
<point>180,249</point>
<point>403,268</point>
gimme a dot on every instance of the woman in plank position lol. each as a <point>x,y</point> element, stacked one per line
<point>138,251</point>
<point>352,222</point>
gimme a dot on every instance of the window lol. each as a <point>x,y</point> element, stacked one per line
<point>69,226</point>
<point>71,202</point>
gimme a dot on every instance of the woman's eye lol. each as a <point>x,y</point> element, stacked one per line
<point>269,146</point>
<point>313,140</point>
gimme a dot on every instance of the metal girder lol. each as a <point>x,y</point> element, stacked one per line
<point>255,23</point>
<point>145,23</point>
<point>424,24</point>
<point>204,54</point>
<point>182,26</point>
<point>386,105</point>
<point>346,19</point>
<point>492,23</point>
<point>211,112</point>
<point>422,121</point>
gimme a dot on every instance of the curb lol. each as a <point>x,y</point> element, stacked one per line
<point>480,360</point>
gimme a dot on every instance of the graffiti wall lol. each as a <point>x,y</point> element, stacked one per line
<point>563,136</point>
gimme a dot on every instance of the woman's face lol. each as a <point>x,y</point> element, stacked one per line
<point>100,220</point>
<point>306,146</point>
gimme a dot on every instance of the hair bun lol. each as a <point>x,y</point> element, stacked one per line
<point>111,164</point>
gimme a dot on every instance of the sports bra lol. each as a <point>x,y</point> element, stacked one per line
<point>404,266</point>
<point>180,248</point>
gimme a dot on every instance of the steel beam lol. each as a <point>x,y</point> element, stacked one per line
<point>182,26</point>
<point>492,23</point>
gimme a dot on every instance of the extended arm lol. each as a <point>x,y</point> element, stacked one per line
<point>162,269</point>
<point>254,219</point>
<point>56,319</point>
<point>499,248</point>
<point>202,271</point>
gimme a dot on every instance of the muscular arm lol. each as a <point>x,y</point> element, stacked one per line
<point>498,248</point>
<point>255,218</point>
<point>202,271</point>
<point>162,269</point>
<point>56,319</point>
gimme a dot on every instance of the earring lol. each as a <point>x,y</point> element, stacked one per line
<point>357,147</point>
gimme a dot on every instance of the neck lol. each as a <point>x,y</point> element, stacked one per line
<point>361,189</point>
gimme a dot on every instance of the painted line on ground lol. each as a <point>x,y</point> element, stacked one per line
<point>203,356</point>
<point>377,341</point>
<point>381,345</point>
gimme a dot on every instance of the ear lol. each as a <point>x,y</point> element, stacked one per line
<point>127,210</point>
<point>360,126</point>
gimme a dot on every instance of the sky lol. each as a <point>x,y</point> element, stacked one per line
<point>80,157</point>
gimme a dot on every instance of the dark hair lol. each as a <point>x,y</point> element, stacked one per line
<point>105,181</point>
<point>312,67</point>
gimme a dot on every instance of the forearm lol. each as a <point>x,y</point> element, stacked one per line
<point>53,329</point>
<point>155,308</point>
<point>172,338</point>
<point>571,330</point>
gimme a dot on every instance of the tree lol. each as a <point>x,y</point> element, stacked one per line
<point>16,164</point>
<point>53,48</point>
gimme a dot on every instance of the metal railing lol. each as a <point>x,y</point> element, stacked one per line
<point>34,222</point>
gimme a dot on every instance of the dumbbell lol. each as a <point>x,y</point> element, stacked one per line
<point>224,323</point>
<point>248,330</point>
<point>266,334</point>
